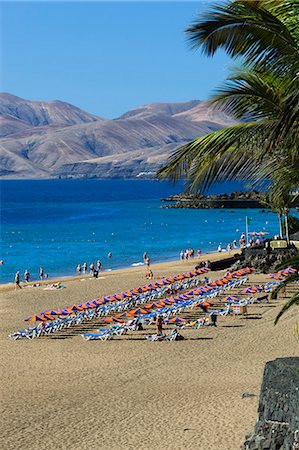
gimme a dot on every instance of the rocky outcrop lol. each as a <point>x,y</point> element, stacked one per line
<point>263,260</point>
<point>252,199</point>
<point>277,427</point>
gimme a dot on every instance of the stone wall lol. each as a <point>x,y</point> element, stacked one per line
<point>277,427</point>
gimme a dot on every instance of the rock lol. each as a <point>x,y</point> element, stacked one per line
<point>277,427</point>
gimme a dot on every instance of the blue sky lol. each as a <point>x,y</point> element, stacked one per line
<point>105,57</point>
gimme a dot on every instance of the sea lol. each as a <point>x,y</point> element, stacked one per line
<point>58,224</point>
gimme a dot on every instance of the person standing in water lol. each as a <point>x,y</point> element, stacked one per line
<point>41,273</point>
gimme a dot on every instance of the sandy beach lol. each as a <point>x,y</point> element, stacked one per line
<point>61,392</point>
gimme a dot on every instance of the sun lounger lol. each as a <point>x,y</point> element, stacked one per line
<point>97,336</point>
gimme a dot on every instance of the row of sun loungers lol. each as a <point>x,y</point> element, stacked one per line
<point>172,306</point>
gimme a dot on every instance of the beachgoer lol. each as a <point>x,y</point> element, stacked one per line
<point>198,253</point>
<point>213,322</point>
<point>182,255</point>
<point>79,269</point>
<point>235,243</point>
<point>26,276</point>
<point>219,248</point>
<point>41,273</point>
<point>204,308</point>
<point>159,325</point>
<point>17,280</point>
<point>109,255</point>
<point>84,267</point>
<point>284,291</point>
<point>144,256</point>
<point>229,247</point>
<point>148,261</point>
<point>99,265</point>
<point>95,273</point>
<point>149,275</point>
<point>91,268</point>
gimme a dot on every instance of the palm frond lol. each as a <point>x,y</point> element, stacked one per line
<point>292,302</point>
<point>245,28</point>
<point>289,279</point>
<point>220,155</point>
<point>294,262</point>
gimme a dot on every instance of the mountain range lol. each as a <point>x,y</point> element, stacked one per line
<point>54,139</point>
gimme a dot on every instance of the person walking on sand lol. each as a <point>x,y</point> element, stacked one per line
<point>159,325</point>
<point>91,268</point>
<point>41,273</point>
<point>84,267</point>
<point>79,269</point>
<point>99,265</point>
<point>17,280</point>
<point>219,248</point>
<point>26,276</point>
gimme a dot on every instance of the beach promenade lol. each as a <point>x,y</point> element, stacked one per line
<point>62,392</point>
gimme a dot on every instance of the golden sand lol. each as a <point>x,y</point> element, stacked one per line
<point>61,392</point>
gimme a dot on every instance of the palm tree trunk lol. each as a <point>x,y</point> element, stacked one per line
<point>280,224</point>
<point>287,226</point>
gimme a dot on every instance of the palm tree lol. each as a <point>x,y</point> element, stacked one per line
<point>263,94</point>
<point>294,300</point>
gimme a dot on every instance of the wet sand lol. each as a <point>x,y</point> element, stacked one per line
<point>61,392</point>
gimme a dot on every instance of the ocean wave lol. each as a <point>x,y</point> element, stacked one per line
<point>138,264</point>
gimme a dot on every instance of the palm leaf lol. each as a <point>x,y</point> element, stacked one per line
<point>294,262</point>
<point>292,302</point>
<point>203,160</point>
<point>245,28</point>
<point>290,279</point>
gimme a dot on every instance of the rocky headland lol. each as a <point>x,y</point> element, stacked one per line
<point>252,199</point>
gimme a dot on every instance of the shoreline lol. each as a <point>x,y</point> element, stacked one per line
<point>214,256</point>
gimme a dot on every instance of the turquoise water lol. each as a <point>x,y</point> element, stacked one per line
<point>60,223</point>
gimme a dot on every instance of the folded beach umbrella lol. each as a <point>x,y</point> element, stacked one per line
<point>138,312</point>
<point>148,306</point>
<point>76,308</point>
<point>171,280</point>
<point>35,319</point>
<point>126,294</point>
<point>230,298</point>
<point>180,277</point>
<point>49,317</point>
<point>175,320</point>
<point>83,305</point>
<point>156,305</point>
<point>126,314</point>
<point>112,319</point>
<point>52,313</point>
<point>288,271</point>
